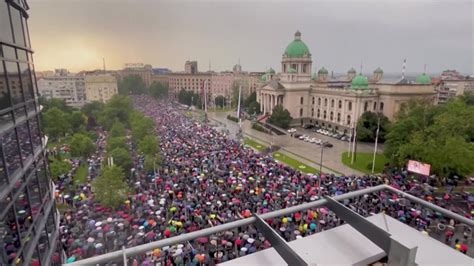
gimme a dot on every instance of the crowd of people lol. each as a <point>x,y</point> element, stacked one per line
<point>206,179</point>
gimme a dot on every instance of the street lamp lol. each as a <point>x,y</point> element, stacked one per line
<point>320,168</point>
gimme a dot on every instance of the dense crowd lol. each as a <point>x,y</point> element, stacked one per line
<point>206,179</point>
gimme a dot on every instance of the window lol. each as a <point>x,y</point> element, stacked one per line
<point>324,116</point>
<point>284,68</point>
<point>26,81</point>
<point>375,106</point>
<point>338,117</point>
<point>340,104</point>
<point>25,142</point>
<point>350,106</point>
<point>12,237</point>
<point>331,116</point>
<point>313,100</point>
<point>17,26</point>
<point>4,94</point>
<point>381,106</point>
<point>319,101</point>
<point>35,195</point>
<point>295,67</point>
<point>5,27</point>
<point>10,147</point>
<point>325,102</point>
<point>348,119</point>
<point>312,112</point>
<point>304,68</point>
<point>301,100</point>
<point>366,106</point>
<point>319,113</point>
<point>14,82</point>
<point>301,112</point>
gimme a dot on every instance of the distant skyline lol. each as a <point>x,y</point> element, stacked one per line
<point>77,34</point>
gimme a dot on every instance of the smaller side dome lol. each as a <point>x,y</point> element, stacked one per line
<point>292,70</point>
<point>314,77</point>
<point>323,70</point>
<point>352,70</point>
<point>423,79</point>
<point>360,82</point>
<point>378,70</point>
<point>263,77</point>
<point>271,71</point>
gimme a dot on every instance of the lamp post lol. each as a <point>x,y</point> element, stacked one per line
<point>320,169</point>
<point>376,141</point>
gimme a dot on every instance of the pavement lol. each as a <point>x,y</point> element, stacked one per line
<point>305,152</point>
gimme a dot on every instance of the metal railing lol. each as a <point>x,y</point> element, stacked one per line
<point>122,254</point>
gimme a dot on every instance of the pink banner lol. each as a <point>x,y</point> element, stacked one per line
<point>419,168</point>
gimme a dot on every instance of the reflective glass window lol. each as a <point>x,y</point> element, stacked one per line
<point>43,179</point>
<point>21,55</point>
<point>25,141</point>
<point>13,76</point>
<point>35,258</point>
<point>4,94</point>
<point>25,30</point>
<point>5,27</point>
<point>35,133</point>
<point>17,26</point>
<point>23,214</point>
<point>35,195</point>
<point>43,243</point>
<point>3,173</point>
<point>5,201</point>
<point>31,107</point>
<point>26,81</point>
<point>10,147</point>
<point>8,52</point>
<point>6,120</point>
<point>51,224</point>
<point>19,112</point>
<point>12,238</point>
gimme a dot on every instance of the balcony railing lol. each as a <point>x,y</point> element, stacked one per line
<point>382,239</point>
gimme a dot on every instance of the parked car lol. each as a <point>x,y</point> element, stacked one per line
<point>327,145</point>
<point>318,141</point>
<point>297,136</point>
<point>302,137</point>
<point>291,130</point>
<point>313,140</point>
<point>308,126</point>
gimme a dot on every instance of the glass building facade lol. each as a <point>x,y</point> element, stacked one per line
<point>28,216</point>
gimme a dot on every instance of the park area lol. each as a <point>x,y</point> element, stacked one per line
<point>363,162</point>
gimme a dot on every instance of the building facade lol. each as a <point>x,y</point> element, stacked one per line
<point>100,87</point>
<point>191,67</point>
<point>334,103</point>
<point>65,86</point>
<point>453,84</point>
<point>28,217</point>
<point>137,69</point>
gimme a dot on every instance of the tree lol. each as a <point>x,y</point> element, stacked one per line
<point>439,135</point>
<point>54,102</point>
<point>151,163</point>
<point>219,101</point>
<point>81,146</point>
<point>280,117</point>
<point>158,90</point>
<point>77,120</point>
<point>251,99</point>
<point>148,145</point>
<point>141,126</point>
<point>367,127</point>
<point>59,168</point>
<point>122,158</point>
<point>235,93</point>
<point>116,142</point>
<point>132,84</point>
<point>109,187</point>
<point>55,123</point>
<point>92,111</point>
<point>118,107</point>
<point>117,130</point>
<point>189,98</point>
<point>253,108</point>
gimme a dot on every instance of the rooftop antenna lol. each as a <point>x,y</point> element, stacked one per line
<point>239,61</point>
<point>209,65</point>
<point>103,63</point>
<point>403,68</point>
<point>424,69</point>
<point>360,72</point>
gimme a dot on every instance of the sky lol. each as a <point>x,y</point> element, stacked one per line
<point>77,34</point>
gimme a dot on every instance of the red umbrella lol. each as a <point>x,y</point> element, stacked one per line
<point>203,240</point>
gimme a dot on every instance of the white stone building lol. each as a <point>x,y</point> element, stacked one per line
<point>63,85</point>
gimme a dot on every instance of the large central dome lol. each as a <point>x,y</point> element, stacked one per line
<point>297,48</point>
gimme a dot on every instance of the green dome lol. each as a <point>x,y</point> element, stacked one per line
<point>378,70</point>
<point>360,82</point>
<point>314,77</point>
<point>423,79</point>
<point>297,48</point>
<point>292,70</point>
<point>271,71</point>
<point>323,71</point>
<point>263,77</point>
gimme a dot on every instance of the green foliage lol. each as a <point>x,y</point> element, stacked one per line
<point>77,120</point>
<point>297,165</point>
<point>116,142</point>
<point>190,98</point>
<point>141,126</point>
<point>81,146</point>
<point>54,102</point>
<point>363,162</point>
<point>109,188</point>
<point>440,135</point>
<point>80,177</point>
<point>235,93</point>
<point>233,118</point>
<point>259,127</point>
<point>253,107</point>
<point>59,168</point>
<point>132,84</point>
<point>151,162</point>
<point>367,127</point>
<point>258,146</point>
<point>92,111</point>
<point>56,123</point>
<point>220,101</point>
<point>158,90</point>
<point>148,145</point>
<point>280,117</point>
<point>118,107</point>
<point>121,158</point>
<point>117,130</point>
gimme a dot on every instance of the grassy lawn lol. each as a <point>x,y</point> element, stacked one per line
<point>81,175</point>
<point>252,143</point>
<point>220,110</point>
<point>363,160</point>
<point>294,163</point>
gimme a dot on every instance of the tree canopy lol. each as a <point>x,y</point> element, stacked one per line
<point>158,90</point>
<point>59,168</point>
<point>116,142</point>
<point>117,130</point>
<point>280,117</point>
<point>109,187</point>
<point>56,123</point>
<point>253,107</point>
<point>141,126</point>
<point>81,146</point>
<point>367,127</point>
<point>190,98</point>
<point>220,101</point>
<point>440,135</point>
<point>132,84</point>
<point>118,107</point>
<point>149,145</point>
<point>122,158</point>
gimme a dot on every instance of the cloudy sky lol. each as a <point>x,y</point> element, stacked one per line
<point>76,34</point>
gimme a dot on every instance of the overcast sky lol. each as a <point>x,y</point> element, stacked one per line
<point>76,34</point>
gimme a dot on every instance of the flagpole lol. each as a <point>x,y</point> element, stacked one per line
<point>353,144</point>
<point>206,84</point>
<point>350,142</point>
<point>376,142</point>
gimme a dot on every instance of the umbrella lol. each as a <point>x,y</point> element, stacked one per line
<point>203,240</point>
<point>71,259</point>
<point>90,240</point>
